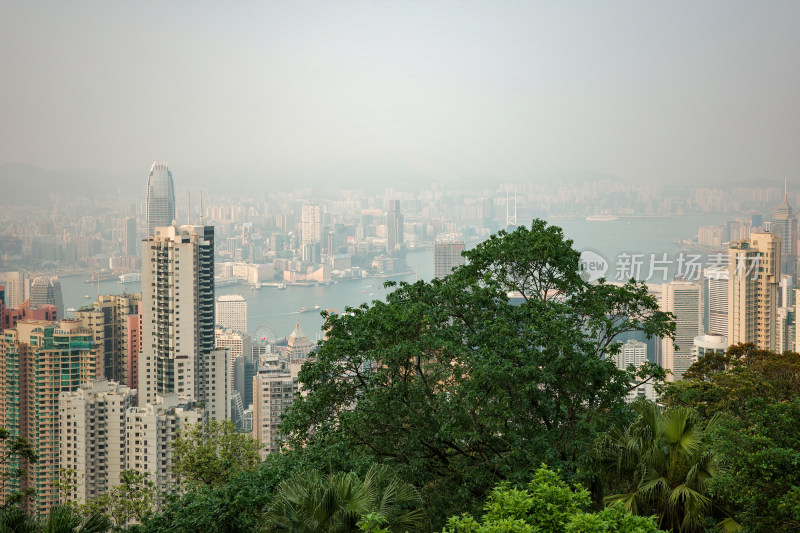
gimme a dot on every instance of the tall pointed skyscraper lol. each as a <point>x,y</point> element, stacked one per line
<point>784,224</point>
<point>160,197</point>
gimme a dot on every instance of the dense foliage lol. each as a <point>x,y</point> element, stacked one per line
<point>547,505</point>
<point>60,519</point>
<point>755,394</point>
<point>726,383</point>
<point>310,502</point>
<point>663,464</point>
<point>459,387</point>
<point>212,452</point>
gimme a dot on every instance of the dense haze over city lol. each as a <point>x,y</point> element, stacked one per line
<point>268,96</point>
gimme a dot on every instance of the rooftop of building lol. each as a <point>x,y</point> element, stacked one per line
<point>231,298</point>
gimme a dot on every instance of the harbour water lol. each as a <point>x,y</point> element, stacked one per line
<point>279,309</point>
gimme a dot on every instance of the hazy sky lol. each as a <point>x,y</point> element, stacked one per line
<point>683,91</point>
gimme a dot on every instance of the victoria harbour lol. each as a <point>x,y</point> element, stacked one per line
<point>279,309</point>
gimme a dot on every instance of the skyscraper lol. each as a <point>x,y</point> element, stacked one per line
<point>681,298</point>
<point>446,257</point>
<point>18,286</point>
<point>754,274</point>
<point>178,354</point>
<point>130,242</point>
<point>236,343</point>
<point>108,320</point>
<point>274,391</point>
<point>38,361</point>
<point>785,330</point>
<point>47,291</point>
<point>160,197</point>
<point>232,312</point>
<point>311,224</point>
<point>715,300</point>
<point>394,227</point>
<point>784,224</point>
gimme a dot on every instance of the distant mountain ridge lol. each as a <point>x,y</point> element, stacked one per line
<point>25,184</point>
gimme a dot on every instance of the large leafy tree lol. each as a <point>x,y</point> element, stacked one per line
<point>763,455</point>
<point>210,453</point>
<point>460,385</point>
<point>133,500</point>
<point>547,505</point>
<point>310,502</point>
<point>663,464</point>
<point>727,382</point>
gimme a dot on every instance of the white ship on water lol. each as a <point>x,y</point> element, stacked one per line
<point>130,278</point>
<point>601,218</point>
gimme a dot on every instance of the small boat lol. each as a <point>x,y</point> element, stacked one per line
<point>86,296</point>
<point>309,309</point>
<point>71,310</point>
<point>281,286</point>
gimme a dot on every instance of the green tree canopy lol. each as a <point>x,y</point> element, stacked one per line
<point>210,453</point>
<point>725,383</point>
<point>763,454</point>
<point>548,505</point>
<point>458,385</point>
<point>133,500</point>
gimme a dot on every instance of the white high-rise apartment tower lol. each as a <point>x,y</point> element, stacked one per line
<point>715,300</point>
<point>18,288</point>
<point>311,224</point>
<point>177,351</point>
<point>681,298</point>
<point>92,436</point>
<point>232,312</point>
<point>635,353</point>
<point>446,257</point>
<point>151,431</point>
<point>274,391</point>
